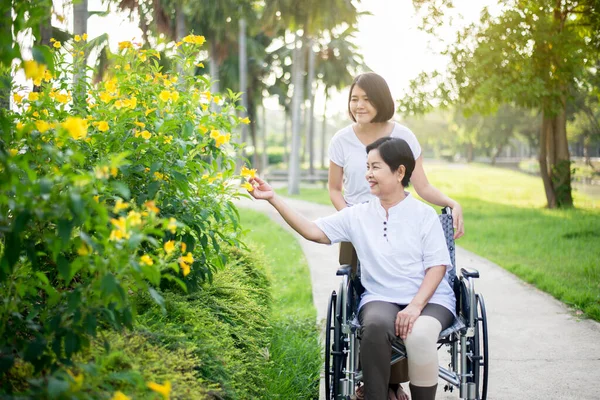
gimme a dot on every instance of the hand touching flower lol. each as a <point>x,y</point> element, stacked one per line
<point>262,190</point>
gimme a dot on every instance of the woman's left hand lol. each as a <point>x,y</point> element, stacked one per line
<point>457,217</point>
<point>405,320</point>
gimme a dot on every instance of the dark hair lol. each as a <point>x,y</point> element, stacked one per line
<point>379,95</point>
<point>395,152</point>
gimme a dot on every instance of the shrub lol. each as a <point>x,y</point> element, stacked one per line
<point>105,191</point>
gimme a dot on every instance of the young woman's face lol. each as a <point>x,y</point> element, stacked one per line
<point>381,179</point>
<point>361,108</point>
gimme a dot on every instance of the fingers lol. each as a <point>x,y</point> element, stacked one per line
<point>458,224</point>
<point>404,324</point>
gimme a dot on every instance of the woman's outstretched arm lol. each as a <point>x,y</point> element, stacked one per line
<point>433,195</point>
<point>307,229</point>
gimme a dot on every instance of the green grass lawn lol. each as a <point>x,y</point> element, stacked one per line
<point>295,349</point>
<point>506,222</point>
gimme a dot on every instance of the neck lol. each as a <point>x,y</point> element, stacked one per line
<point>389,201</point>
<point>371,128</point>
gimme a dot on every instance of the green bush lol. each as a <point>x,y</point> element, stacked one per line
<point>105,191</point>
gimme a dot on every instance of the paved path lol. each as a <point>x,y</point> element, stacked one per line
<point>539,350</point>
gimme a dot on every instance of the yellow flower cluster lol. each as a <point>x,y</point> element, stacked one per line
<point>36,72</point>
<point>125,45</point>
<point>164,389</point>
<point>165,95</point>
<point>120,231</point>
<point>248,174</point>
<point>76,127</point>
<point>220,139</point>
<point>104,172</point>
<point>151,207</point>
<point>194,39</point>
<point>184,263</point>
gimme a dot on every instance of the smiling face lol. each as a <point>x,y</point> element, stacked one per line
<point>382,181</point>
<point>361,108</point>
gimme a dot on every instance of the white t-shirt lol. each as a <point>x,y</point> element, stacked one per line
<point>395,252</point>
<point>347,151</point>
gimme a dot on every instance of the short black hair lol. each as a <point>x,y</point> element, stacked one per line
<point>395,152</point>
<point>379,95</point>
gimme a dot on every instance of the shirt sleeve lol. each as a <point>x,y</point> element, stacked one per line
<point>337,226</point>
<point>435,249</point>
<point>335,151</point>
<point>412,141</point>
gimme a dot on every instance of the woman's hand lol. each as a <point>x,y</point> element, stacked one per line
<point>405,320</point>
<point>457,218</point>
<point>262,190</point>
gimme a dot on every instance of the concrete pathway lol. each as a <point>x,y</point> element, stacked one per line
<point>539,350</point>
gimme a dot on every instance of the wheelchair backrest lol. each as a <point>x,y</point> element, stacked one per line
<point>446,221</point>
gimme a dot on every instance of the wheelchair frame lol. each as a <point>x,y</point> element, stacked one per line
<point>466,338</point>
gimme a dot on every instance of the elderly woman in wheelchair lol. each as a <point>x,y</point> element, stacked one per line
<point>407,299</point>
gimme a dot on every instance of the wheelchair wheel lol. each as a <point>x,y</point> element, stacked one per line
<point>478,363</point>
<point>333,350</point>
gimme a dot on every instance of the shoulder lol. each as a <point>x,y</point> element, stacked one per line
<point>425,211</point>
<point>403,132</point>
<point>342,134</point>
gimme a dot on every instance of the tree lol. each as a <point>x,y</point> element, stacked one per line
<point>533,54</point>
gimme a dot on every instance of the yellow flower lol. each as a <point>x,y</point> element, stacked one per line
<point>168,139</point>
<point>149,110</point>
<point>114,172</point>
<point>77,381</point>
<point>84,36</point>
<point>146,259</point>
<point>165,95</point>
<point>195,39</point>
<point>183,247</point>
<point>174,95</point>
<point>97,199</point>
<point>33,70</point>
<point>204,107</point>
<point>164,390</point>
<point>245,120</point>
<point>248,173</point>
<point>83,250</point>
<point>103,126</point>
<point>140,124</point>
<point>77,127</point>
<point>77,38</point>
<point>208,95</point>
<point>13,152</point>
<point>118,394</point>
<point>184,268</point>
<point>201,65</point>
<point>20,125</point>
<point>111,85</point>
<point>158,176</point>
<point>105,97</point>
<point>42,126</point>
<point>203,129</point>
<point>217,99</point>
<point>33,96</point>
<point>170,246</point>
<point>119,104</point>
<point>127,67</point>
<point>215,134</point>
<point>121,229</point>
<point>120,205</point>
<point>57,45</point>
<point>151,206</point>
<point>248,186</point>
<point>36,114</point>
<point>134,218</point>
<point>146,135</point>
<point>125,45</point>
<point>62,98</point>
<point>101,172</point>
<point>47,76</point>
<point>17,98</point>
<point>172,225</point>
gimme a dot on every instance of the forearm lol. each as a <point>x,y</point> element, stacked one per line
<point>307,229</point>
<point>433,277</point>
<point>337,199</point>
<point>433,195</point>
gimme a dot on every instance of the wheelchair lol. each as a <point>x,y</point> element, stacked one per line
<point>465,340</point>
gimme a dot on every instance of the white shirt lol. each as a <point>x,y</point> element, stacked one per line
<point>348,152</point>
<point>395,252</point>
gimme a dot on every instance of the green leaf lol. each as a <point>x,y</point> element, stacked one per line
<point>21,221</point>
<point>57,387</point>
<point>121,189</point>
<point>109,285</point>
<point>153,188</point>
<point>76,204</point>
<point>90,324</point>
<point>12,250</point>
<point>65,226</point>
<point>43,55</point>
<point>64,268</point>
<point>158,299</point>
<point>72,344</point>
<point>188,129</point>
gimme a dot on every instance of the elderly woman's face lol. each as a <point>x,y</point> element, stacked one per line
<point>381,179</point>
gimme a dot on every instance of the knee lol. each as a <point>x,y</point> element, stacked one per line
<point>423,337</point>
<point>377,328</point>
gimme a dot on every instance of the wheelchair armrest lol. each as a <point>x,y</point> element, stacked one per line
<point>344,270</point>
<point>469,273</point>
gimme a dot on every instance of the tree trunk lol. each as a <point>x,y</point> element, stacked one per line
<point>311,113</point>
<point>5,77</point>
<point>214,69</point>
<point>80,18</point>
<point>324,129</point>
<point>263,131</point>
<point>555,163</point>
<point>243,69</point>
<point>470,152</point>
<point>297,97</point>
<point>286,120</point>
